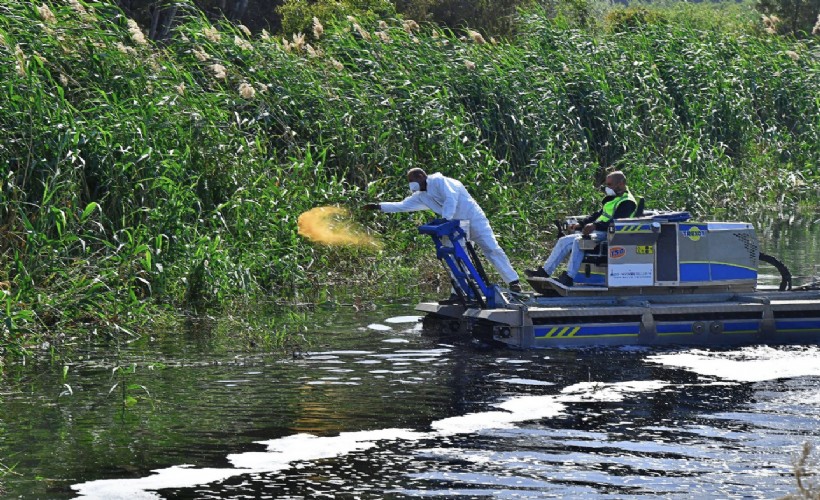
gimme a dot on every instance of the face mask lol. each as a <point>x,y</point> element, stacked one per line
<point>609,191</point>
<point>414,186</point>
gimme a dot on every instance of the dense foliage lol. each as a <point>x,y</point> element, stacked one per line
<point>798,18</point>
<point>134,176</point>
<point>297,16</point>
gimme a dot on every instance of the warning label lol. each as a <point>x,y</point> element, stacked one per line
<point>631,275</point>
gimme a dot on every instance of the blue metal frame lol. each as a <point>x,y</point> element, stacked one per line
<point>455,256</point>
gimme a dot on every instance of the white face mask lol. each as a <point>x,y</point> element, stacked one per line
<point>609,191</point>
<point>414,186</point>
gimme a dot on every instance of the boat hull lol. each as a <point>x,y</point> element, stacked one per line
<point>705,320</point>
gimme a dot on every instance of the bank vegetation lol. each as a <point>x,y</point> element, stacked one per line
<point>140,178</point>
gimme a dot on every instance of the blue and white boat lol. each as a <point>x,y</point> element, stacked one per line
<point>656,279</point>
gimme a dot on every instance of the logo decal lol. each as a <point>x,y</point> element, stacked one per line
<point>694,233</point>
<point>617,252</point>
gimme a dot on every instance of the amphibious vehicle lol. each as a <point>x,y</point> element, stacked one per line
<point>659,278</point>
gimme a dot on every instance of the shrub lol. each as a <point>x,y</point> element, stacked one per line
<point>298,15</point>
<point>494,18</point>
<point>631,18</point>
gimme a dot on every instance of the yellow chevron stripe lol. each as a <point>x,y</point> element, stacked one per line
<point>633,228</point>
<point>567,331</point>
<point>611,335</point>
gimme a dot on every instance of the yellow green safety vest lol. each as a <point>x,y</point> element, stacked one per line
<point>609,208</point>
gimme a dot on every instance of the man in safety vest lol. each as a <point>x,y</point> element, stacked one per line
<point>617,204</point>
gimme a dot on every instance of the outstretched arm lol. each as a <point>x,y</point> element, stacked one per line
<point>412,203</point>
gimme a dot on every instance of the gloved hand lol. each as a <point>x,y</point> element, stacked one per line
<point>371,206</point>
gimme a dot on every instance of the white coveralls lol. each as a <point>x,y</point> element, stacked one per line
<point>449,199</point>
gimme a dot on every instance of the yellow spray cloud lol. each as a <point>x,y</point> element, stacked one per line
<point>333,226</point>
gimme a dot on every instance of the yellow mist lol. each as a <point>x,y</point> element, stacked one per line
<point>333,226</point>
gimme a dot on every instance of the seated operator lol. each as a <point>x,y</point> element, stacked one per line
<point>617,204</point>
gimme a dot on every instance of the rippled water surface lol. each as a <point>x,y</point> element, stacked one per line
<point>379,410</point>
<point>376,408</point>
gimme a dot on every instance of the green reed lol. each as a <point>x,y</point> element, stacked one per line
<point>138,177</point>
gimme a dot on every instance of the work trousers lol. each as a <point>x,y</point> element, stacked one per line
<point>482,235</point>
<point>569,245</point>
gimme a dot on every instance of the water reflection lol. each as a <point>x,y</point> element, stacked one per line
<point>794,240</point>
<point>670,436</point>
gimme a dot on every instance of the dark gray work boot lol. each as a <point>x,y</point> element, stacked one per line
<point>537,273</point>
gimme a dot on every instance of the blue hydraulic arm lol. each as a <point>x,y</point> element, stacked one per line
<point>466,272</point>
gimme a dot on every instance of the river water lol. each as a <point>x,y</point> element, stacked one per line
<point>376,407</point>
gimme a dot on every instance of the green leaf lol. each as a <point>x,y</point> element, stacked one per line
<point>88,209</point>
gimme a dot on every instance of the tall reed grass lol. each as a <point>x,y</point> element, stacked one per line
<point>136,176</point>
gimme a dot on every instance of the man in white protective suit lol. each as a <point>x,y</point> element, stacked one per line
<point>449,199</point>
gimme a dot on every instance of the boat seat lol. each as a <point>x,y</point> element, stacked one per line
<point>639,208</point>
<point>595,250</point>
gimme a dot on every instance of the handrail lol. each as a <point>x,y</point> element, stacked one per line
<point>453,248</point>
